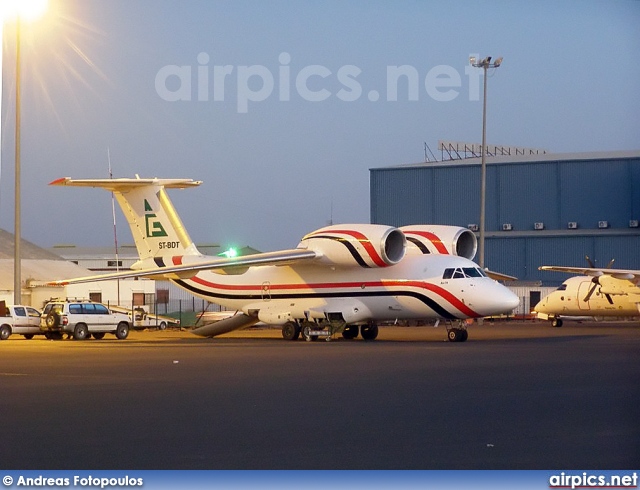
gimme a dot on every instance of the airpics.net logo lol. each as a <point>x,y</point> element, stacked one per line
<point>250,84</point>
<point>590,480</point>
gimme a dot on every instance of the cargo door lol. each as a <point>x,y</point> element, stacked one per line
<point>583,290</point>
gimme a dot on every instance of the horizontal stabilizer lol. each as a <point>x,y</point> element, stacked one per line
<point>116,185</point>
<point>227,325</point>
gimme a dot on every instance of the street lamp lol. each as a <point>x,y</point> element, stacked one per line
<point>485,64</point>
<point>20,10</point>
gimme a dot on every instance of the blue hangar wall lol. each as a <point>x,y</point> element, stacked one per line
<point>574,196</point>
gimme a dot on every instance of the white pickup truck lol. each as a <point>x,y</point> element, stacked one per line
<point>18,319</point>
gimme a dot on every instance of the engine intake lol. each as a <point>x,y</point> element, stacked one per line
<point>440,239</point>
<point>363,245</point>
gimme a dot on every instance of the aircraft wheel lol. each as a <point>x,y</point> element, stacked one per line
<point>556,322</point>
<point>350,332</point>
<point>369,332</point>
<point>456,335</point>
<point>465,336</point>
<point>28,336</point>
<point>290,331</point>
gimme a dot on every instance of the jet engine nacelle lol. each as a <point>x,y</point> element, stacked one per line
<point>440,239</point>
<point>353,245</point>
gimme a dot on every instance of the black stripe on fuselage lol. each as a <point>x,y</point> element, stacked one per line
<point>352,250</point>
<point>430,302</point>
<point>423,248</point>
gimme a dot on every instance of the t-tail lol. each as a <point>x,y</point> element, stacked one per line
<point>155,225</point>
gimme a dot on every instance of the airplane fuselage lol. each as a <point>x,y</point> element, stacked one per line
<point>415,288</point>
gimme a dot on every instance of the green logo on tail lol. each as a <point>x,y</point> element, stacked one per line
<point>153,225</point>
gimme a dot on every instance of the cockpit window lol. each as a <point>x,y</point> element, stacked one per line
<point>463,272</point>
<point>563,287</point>
<point>472,272</point>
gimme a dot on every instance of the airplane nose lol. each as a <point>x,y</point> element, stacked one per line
<point>503,300</point>
<point>541,306</point>
<point>512,300</point>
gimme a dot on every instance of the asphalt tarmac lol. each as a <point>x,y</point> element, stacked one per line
<point>514,396</point>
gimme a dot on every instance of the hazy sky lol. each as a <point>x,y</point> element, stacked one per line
<point>282,107</point>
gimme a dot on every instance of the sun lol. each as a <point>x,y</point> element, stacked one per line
<point>27,10</point>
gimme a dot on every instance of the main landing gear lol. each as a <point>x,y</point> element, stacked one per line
<point>325,329</point>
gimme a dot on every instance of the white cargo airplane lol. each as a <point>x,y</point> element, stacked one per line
<point>617,294</point>
<point>337,279</point>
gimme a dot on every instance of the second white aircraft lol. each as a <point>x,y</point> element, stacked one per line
<point>597,293</point>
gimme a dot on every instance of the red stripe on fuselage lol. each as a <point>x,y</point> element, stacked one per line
<point>443,293</point>
<point>433,238</point>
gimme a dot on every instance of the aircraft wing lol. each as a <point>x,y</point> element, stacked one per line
<point>498,276</point>
<point>628,274</point>
<point>230,265</point>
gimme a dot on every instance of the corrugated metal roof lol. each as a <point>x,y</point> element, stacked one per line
<point>27,249</point>
<point>508,159</point>
<point>41,270</point>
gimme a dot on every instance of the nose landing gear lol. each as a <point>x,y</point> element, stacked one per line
<point>458,333</point>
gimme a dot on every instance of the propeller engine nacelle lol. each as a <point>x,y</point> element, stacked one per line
<point>611,285</point>
<point>352,245</point>
<point>440,239</point>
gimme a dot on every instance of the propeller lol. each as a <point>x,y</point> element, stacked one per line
<point>591,264</point>
<point>596,282</point>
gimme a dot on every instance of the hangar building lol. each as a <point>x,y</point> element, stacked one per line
<point>541,209</point>
<point>39,266</point>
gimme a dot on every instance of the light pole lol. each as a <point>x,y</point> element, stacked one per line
<point>29,10</point>
<point>17,235</point>
<point>485,64</point>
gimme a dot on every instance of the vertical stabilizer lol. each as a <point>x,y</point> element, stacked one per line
<point>155,225</point>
